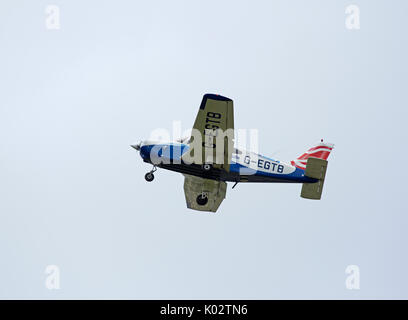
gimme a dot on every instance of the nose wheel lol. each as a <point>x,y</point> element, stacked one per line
<point>149,177</point>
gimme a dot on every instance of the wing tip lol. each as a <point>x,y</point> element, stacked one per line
<point>213,96</point>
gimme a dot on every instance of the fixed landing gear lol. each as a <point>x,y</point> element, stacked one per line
<point>202,199</point>
<point>149,177</point>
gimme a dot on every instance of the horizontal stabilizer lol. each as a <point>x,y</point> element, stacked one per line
<point>315,168</point>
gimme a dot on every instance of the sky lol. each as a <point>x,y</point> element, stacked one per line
<point>72,190</point>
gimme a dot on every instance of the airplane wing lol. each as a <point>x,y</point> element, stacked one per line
<point>203,194</point>
<point>216,112</point>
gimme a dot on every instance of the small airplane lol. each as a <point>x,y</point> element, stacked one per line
<point>205,182</point>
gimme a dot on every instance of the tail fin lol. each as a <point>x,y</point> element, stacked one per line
<point>321,151</point>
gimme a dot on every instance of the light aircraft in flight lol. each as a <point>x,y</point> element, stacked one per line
<point>208,159</point>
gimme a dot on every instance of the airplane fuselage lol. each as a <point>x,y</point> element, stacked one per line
<point>244,166</point>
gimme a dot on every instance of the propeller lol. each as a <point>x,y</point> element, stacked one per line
<point>136,146</point>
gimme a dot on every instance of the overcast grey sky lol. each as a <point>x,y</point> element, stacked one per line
<point>72,191</point>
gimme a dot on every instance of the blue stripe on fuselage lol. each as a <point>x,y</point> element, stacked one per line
<point>174,151</point>
<point>298,175</point>
<point>169,152</point>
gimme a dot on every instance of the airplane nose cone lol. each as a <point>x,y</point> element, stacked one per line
<point>135,146</point>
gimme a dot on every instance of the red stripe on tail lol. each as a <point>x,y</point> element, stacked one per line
<point>321,151</point>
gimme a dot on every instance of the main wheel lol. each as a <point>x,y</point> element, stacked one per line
<point>202,201</point>
<point>149,176</point>
<point>207,167</point>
